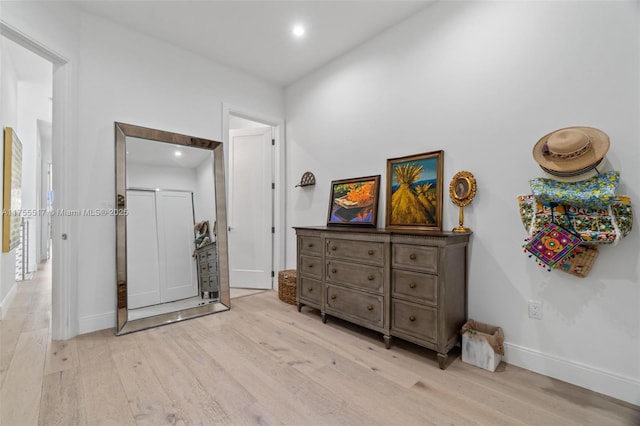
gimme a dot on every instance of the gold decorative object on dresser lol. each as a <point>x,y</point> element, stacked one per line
<point>407,284</point>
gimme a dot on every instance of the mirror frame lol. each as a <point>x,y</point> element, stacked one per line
<point>123,325</point>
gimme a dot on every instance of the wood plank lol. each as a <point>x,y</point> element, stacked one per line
<point>103,394</point>
<point>286,392</point>
<point>183,388</point>
<point>61,355</point>
<point>22,387</point>
<point>10,329</point>
<point>62,400</point>
<point>148,403</point>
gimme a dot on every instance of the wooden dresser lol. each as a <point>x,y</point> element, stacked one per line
<point>207,257</point>
<point>406,284</point>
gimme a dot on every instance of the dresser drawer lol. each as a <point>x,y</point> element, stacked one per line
<point>208,283</point>
<point>209,267</point>
<point>416,320</point>
<point>421,287</point>
<point>363,251</point>
<point>311,266</point>
<point>310,245</point>
<point>353,274</point>
<point>206,255</point>
<point>363,306</point>
<point>310,290</point>
<point>415,257</point>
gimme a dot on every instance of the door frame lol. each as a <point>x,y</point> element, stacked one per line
<point>279,236</point>
<point>64,294</point>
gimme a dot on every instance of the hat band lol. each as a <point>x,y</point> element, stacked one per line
<point>567,155</point>
<point>573,172</point>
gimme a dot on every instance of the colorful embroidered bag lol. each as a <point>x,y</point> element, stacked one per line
<point>552,244</point>
<point>603,226</point>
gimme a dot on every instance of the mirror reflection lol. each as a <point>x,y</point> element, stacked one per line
<point>172,267</point>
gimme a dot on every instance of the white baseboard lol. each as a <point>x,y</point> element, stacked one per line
<point>96,322</point>
<point>595,379</point>
<point>8,299</point>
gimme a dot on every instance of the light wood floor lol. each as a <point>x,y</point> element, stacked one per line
<point>262,362</point>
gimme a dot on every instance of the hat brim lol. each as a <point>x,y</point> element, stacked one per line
<point>599,147</point>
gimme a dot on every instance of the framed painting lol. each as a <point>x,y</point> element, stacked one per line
<point>354,201</point>
<point>414,191</point>
<point>12,191</point>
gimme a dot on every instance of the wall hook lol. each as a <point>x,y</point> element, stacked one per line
<point>307,179</point>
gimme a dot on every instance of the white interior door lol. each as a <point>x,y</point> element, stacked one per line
<point>143,281</point>
<point>250,199</point>
<point>178,274</point>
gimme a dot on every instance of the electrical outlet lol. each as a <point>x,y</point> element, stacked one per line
<point>535,309</point>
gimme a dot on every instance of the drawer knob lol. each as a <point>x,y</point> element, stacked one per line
<point>370,308</point>
<point>412,318</point>
<point>334,270</point>
<point>371,252</point>
<point>370,277</point>
<point>310,245</point>
<point>412,285</point>
<point>311,265</point>
<point>310,289</point>
<point>412,256</point>
<point>333,296</point>
<point>334,248</point>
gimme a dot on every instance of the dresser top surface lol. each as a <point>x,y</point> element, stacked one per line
<point>385,231</point>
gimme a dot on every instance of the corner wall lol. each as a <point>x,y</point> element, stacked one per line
<point>484,81</point>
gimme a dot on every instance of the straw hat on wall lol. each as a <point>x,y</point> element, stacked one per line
<point>572,153</point>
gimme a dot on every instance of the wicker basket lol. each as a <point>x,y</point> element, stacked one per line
<point>580,261</point>
<point>287,286</point>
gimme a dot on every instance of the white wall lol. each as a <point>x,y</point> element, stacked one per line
<point>114,74</point>
<point>204,198</point>
<point>131,78</point>
<point>147,176</point>
<point>484,81</point>
<point>8,118</point>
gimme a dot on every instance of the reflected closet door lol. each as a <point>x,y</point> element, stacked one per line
<point>142,250</point>
<point>178,273</point>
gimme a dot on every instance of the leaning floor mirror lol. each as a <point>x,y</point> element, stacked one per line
<point>171,235</point>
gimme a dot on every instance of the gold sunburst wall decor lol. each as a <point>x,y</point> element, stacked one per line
<point>462,189</point>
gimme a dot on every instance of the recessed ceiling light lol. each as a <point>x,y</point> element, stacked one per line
<point>178,153</point>
<point>298,30</point>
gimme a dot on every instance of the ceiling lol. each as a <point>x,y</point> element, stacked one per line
<point>256,36</point>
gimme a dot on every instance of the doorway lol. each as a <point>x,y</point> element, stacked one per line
<point>254,194</point>
<point>27,111</point>
<point>64,323</point>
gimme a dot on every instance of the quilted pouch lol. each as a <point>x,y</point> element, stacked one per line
<point>595,193</point>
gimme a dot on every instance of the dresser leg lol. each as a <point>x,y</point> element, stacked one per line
<point>299,307</point>
<point>442,360</point>
<point>324,317</point>
<point>387,341</point>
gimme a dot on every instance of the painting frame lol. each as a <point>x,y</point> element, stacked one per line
<point>359,209</point>
<point>12,190</point>
<point>416,182</point>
